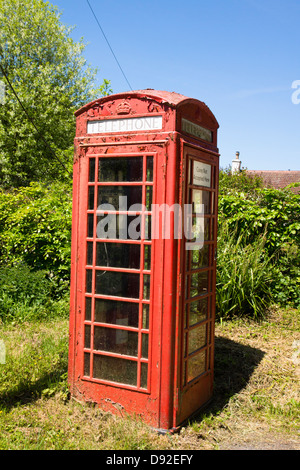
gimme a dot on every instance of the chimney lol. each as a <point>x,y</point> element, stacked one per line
<point>236,164</point>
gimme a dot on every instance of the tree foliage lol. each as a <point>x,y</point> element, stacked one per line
<point>49,73</point>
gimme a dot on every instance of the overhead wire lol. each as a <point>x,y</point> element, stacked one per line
<point>101,29</point>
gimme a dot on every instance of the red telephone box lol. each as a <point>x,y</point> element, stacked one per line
<point>142,289</point>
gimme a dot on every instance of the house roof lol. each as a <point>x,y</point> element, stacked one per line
<point>277,179</point>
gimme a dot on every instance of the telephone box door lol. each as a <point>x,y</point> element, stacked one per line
<point>198,280</point>
<point>117,343</point>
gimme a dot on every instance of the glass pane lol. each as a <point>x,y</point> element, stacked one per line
<point>111,194</point>
<point>88,308</point>
<point>148,227</point>
<point>92,170</point>
<point>186,289</point>
<point>86,364</point>
<point>89,257</point>
<point>213,176</point>
<point>199,283</point>
<point>146,295</point>
<point>149,190</point>
<point>145,338</point>
<point>120,169</point>
<point>185,345</point>
<point>90,228</point>
<point>200,257</point>
<point>117,312</point>
<point>118,284</point>
<point>147,257</point>
<point>118,255</point>
<point>195,232</point>
<point>118,227</point>
<point>145,316</point>
<point>207,230</point>
<point>197,338</point>
<point>115,370</point>
<point>149,176</point>
<point>89,274</point>
<point>134,228</point>
<point>91,198</point>
<point>196,366</point>
<point>116,341</point>
<point>144,375</point>
<point>198,311</point>
<point>200,197</point>
<point>87,336</point>
<point>199,227</point>
<point>190,172</point>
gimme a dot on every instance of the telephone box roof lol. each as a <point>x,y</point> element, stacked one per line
<point>171,99</point>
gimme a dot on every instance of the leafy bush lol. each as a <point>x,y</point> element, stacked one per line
<point>26,294</point>
<point>238,182</point>
<point>274,209</point>
<point>255,213</point>
<point>243,275</point>
<point>35,251</point>
<point>286,275</point>
<point>35,230</point>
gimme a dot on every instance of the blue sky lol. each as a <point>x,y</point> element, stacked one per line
<point>238,56</point>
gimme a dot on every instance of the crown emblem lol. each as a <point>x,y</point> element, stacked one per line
<point>123,108</point>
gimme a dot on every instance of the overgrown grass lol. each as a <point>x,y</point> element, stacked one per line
<point>244,276</point>
<point>27,295</point>
<point>255,403</point>
<point>35,363</point>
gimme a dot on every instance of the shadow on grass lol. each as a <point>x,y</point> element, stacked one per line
<point>26,392</point>
<point>234,365</point>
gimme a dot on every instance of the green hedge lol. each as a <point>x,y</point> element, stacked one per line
<point>35,239</point>
<point>35,228</point>
<point>251,213</point>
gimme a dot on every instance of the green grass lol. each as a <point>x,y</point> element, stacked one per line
<point>36,361</point>
<point>244,275</point>
<point>256,399</point>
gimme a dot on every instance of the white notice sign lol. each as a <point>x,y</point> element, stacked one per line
<point>202,174</point>
<point>147,123</point>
